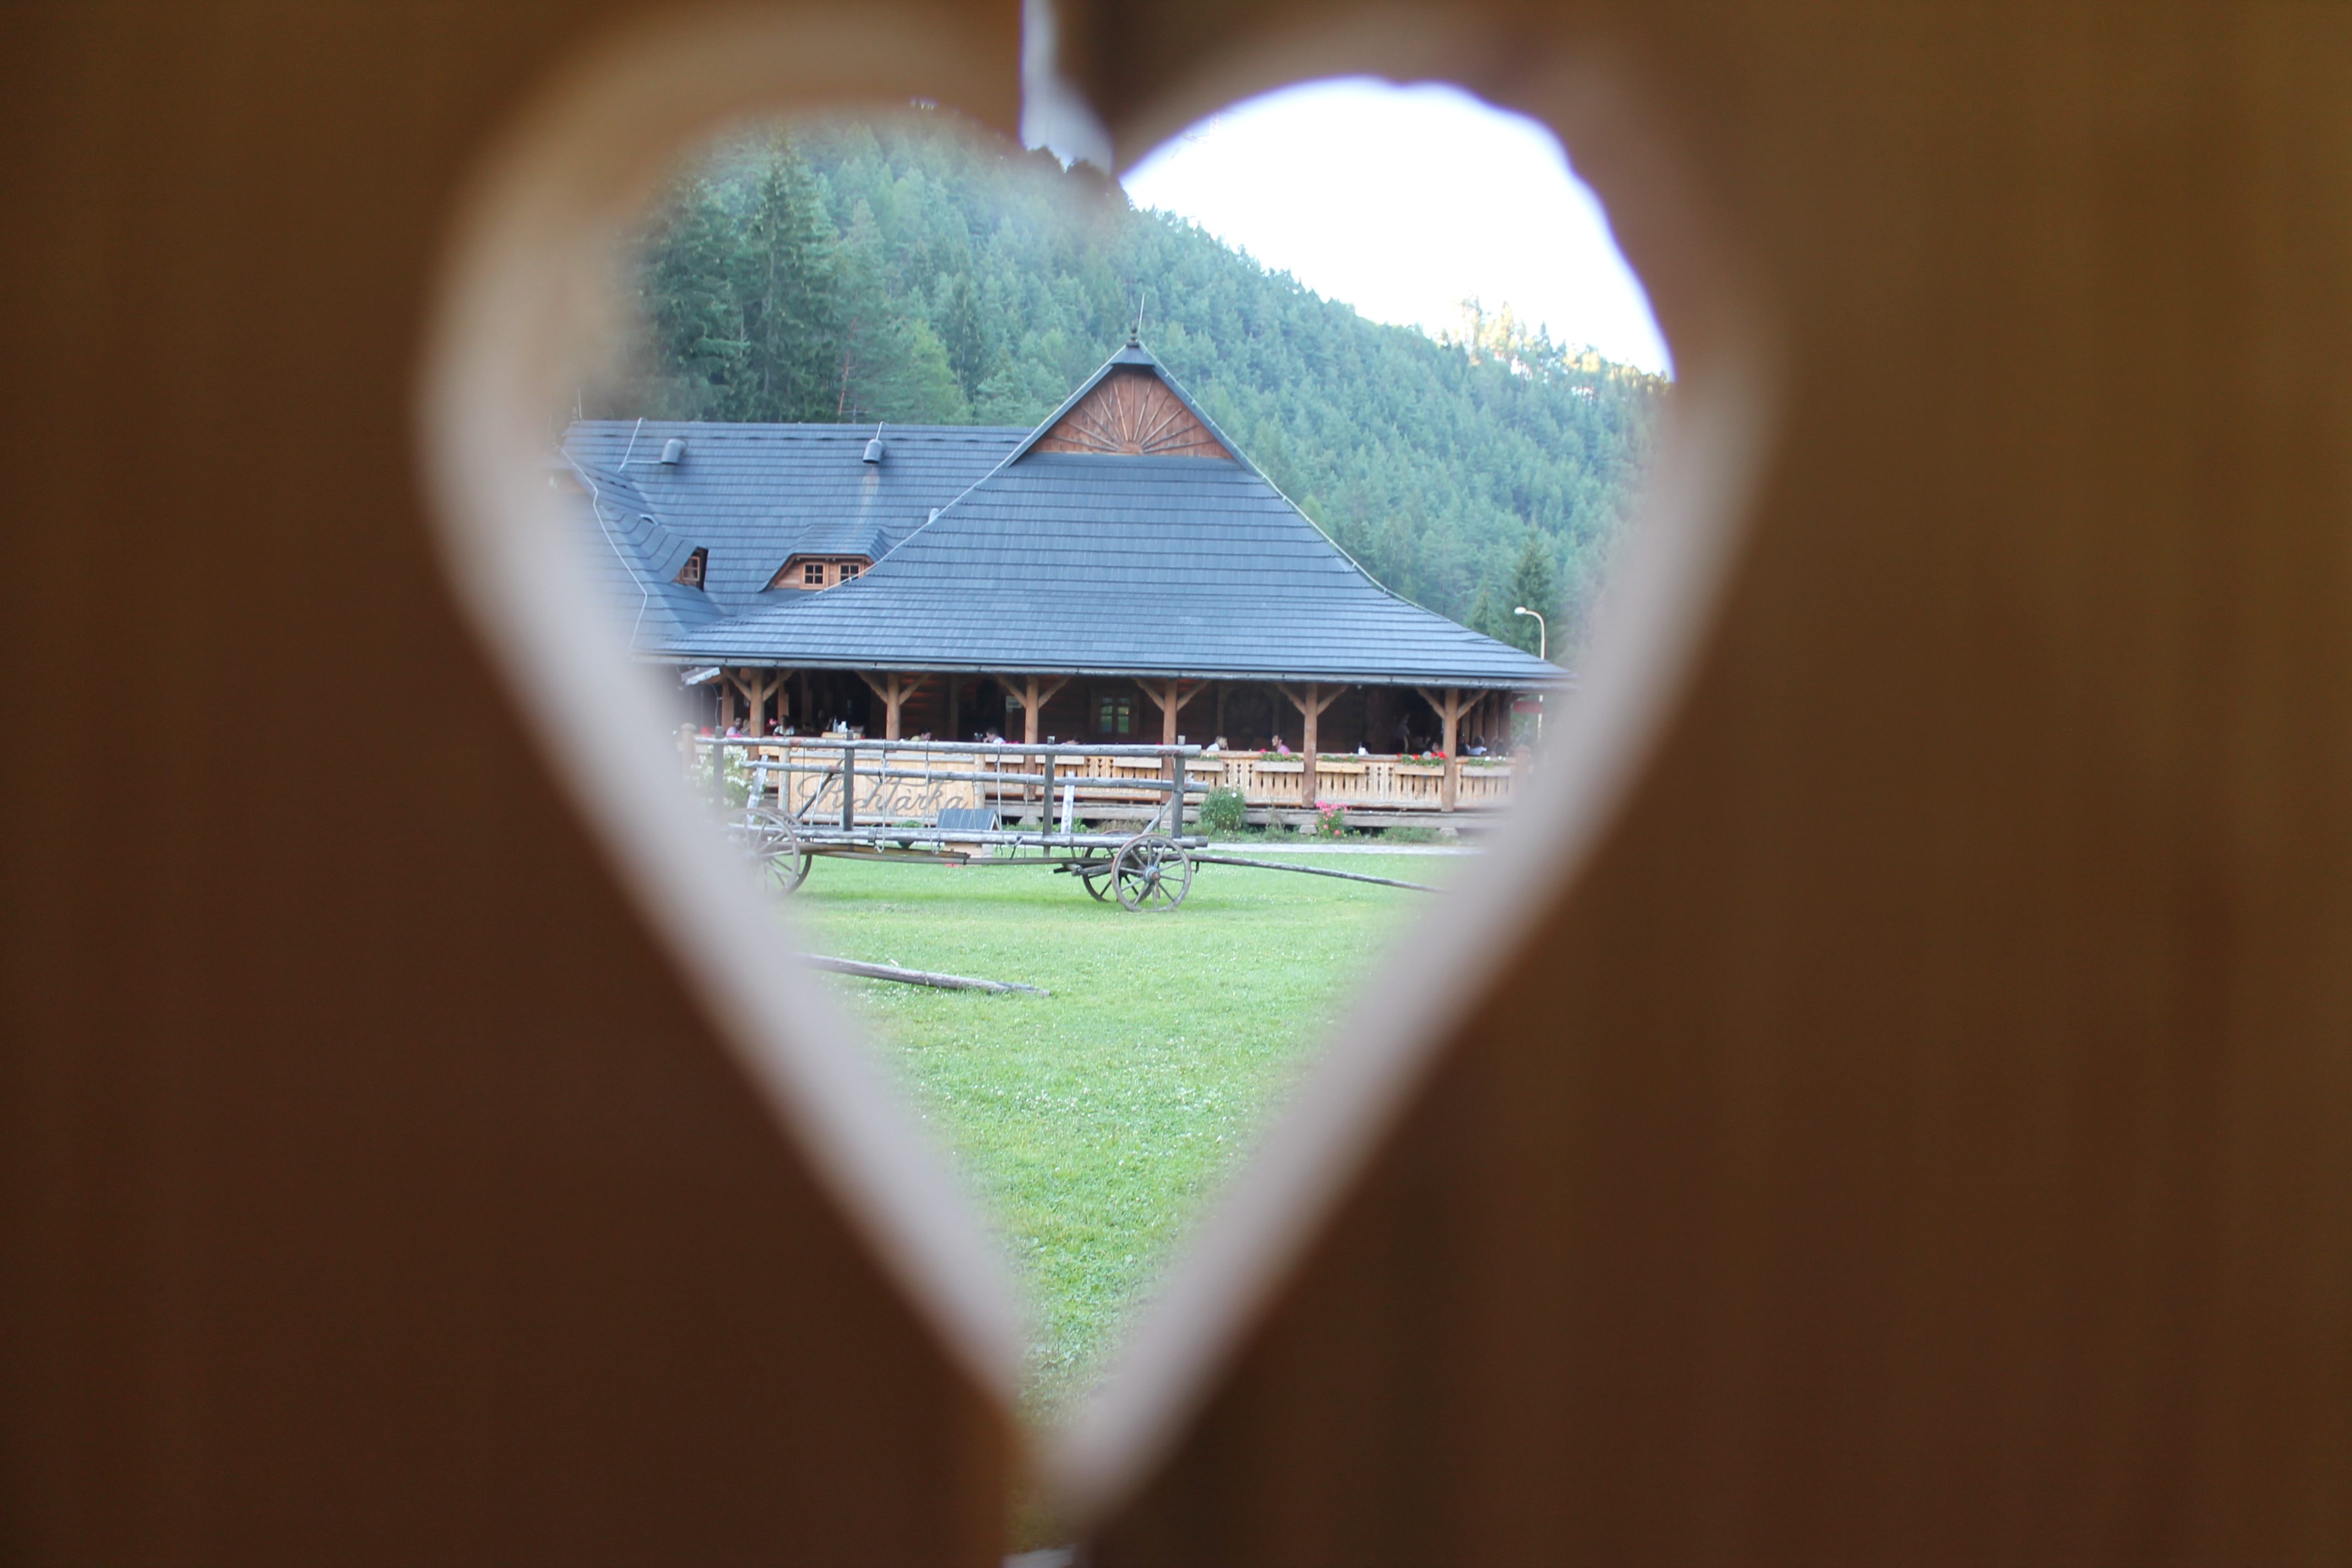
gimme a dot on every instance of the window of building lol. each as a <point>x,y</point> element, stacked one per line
<point>849,569</point>
<point>812,574</point>
<point>691,572</point>
<point>1114,715</point>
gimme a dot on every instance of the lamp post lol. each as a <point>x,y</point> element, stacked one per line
<point>1543,647</point>
<point>1543,632</point>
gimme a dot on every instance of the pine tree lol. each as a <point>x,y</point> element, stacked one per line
<point>1535,585</point>
<point>904,376</point>
<point>1488,617</point>
<point>688,306</point>
<point>964,334</point>
<point>785,293</point>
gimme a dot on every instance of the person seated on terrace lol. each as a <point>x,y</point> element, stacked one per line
<point>1281,747</point>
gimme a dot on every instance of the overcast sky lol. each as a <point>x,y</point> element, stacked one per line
<point>1403,201</point>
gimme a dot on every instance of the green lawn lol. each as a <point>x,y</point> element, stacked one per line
<point>1096,1120</point>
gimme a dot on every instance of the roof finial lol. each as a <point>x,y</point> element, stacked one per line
<point>1135,336</point>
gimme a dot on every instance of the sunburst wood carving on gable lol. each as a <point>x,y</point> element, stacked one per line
<point>1130,412</point>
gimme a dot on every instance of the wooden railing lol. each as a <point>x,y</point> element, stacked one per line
<point>914,780</point>
<point>1365,782</point>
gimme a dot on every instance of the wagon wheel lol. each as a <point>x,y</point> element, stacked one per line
<point>777,853</point>
<point>1151,873</point>
<point>1095,874</point>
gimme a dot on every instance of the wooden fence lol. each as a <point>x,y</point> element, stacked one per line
<point>908,781</point>
<point>1362,783</point>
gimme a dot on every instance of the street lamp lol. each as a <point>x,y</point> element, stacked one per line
<point>1543,632</point>
<point>1543,647</point>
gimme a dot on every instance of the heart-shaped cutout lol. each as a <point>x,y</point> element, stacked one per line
<point>501,344</point>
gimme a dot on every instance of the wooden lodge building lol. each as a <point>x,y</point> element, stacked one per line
<point>1120,574</point>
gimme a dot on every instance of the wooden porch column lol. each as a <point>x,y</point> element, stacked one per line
<point>757,686</point>
<point>1450,710</point>
<point>1033,700</point>
<point>1310,707</point>
<point>894,689</point>
<point>1172,696</point>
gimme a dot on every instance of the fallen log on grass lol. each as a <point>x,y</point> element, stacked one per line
<point>915,977</point>
<point>1309,871</point>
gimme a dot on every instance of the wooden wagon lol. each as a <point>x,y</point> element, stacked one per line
<point>797,812</point>
<point>786,825</point>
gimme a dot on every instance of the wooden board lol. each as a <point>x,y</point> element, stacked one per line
<point>394,1199</point>
<point>1924,1134</point>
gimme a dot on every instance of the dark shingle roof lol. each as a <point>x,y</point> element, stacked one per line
<point>1037,562</point>
<point>756,495</point>
<point>632,561</point>
<point>1122,566</point>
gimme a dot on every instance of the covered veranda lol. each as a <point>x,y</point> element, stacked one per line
<point>1370,744</point>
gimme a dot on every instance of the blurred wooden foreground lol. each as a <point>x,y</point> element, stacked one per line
<point>1923,1134</point>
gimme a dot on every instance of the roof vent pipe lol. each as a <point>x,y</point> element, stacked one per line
<point>673,449</point>
<point>873,448</point>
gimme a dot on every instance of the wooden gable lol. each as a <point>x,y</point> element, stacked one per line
<point>1130,412</point>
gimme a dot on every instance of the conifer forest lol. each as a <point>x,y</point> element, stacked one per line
<point>908,268</point>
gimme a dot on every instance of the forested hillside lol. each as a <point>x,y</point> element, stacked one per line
<point>911,271</point>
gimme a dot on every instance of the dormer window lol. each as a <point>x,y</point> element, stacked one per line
<point>807,574</point>
<point>696,564</point>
